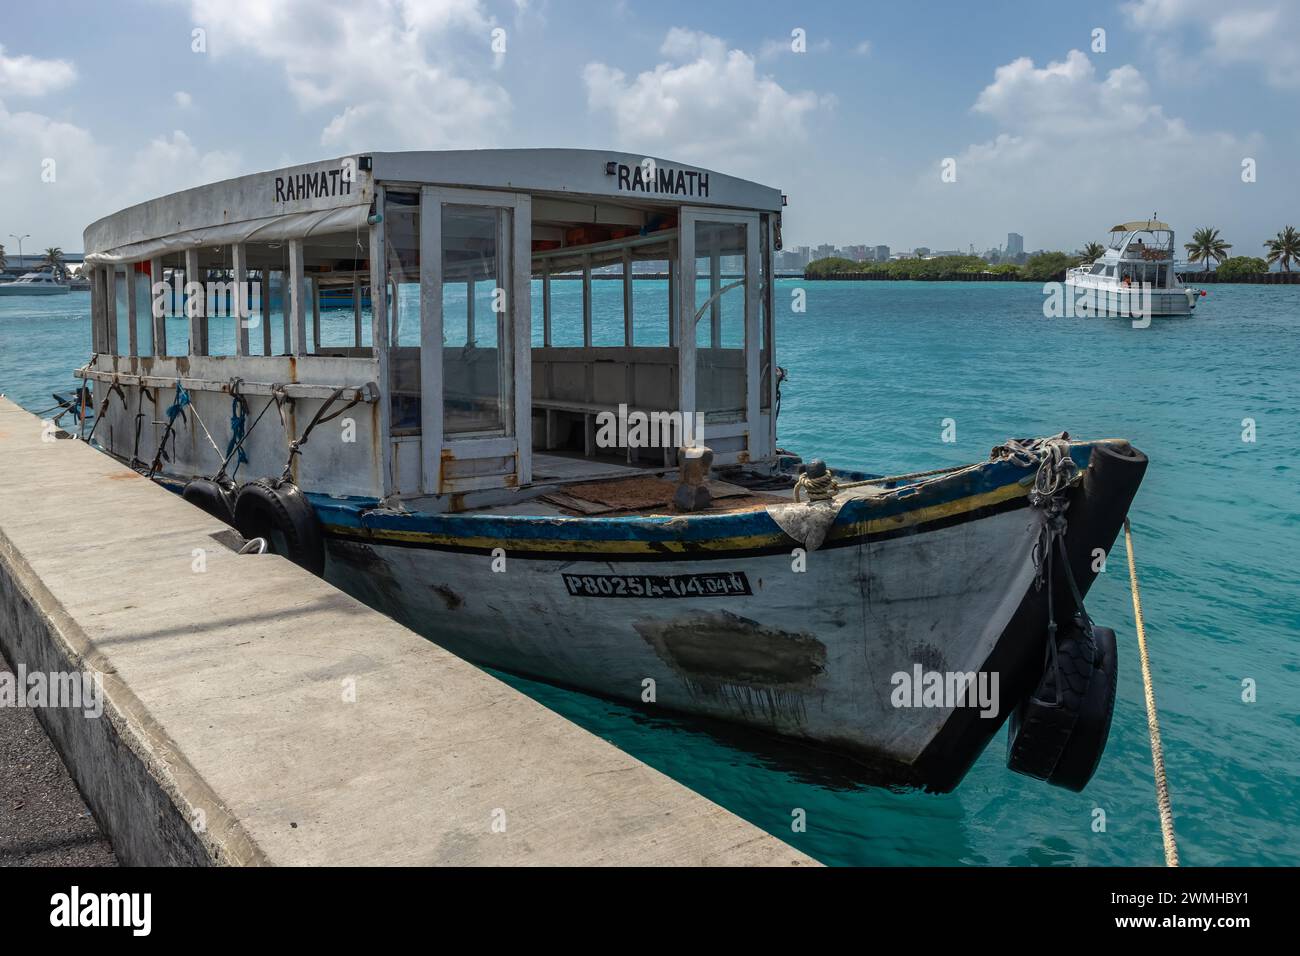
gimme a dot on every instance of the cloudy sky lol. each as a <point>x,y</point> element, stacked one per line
<point>1054,130</point>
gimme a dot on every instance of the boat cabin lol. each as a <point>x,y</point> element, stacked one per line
<point>481,314</point>
<point>1141,252</point>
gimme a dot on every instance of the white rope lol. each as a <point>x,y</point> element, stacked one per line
<point>1153,723</point>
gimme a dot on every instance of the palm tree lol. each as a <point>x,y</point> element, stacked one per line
<point>54,259</point>
<point>1093,251</point>
<point>1206,246</point>
<point>1284,248</point>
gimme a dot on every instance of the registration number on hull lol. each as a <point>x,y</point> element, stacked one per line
<point>718,584</point>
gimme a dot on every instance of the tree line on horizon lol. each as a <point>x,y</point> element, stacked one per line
<point>1207,247</point>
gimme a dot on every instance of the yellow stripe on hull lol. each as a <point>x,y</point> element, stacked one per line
<point>761,542</point>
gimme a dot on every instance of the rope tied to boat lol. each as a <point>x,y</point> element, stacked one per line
<point>818,481</point>
<point>114,386</point>
<point>1163,803</point>
<point>139,422</point>
<point>1057,474</point>
<point>238,418</point>
<point>320,418</point>
<point>278,397</point>
<point>174,410</point>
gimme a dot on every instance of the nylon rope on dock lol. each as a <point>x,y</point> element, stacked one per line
<point>1153,723</point>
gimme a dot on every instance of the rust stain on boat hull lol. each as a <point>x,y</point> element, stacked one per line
<point>726,657</point>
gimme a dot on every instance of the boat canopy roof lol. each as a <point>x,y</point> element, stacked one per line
<point>1142,225</point>
<point>335,195</point>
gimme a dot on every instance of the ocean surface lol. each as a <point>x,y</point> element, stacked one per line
<point>874,370</point>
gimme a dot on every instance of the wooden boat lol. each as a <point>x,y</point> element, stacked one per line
<point>611,515</point>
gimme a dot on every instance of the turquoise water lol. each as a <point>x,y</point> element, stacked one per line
<point>874,369</point>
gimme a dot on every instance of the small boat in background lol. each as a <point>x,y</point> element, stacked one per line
<point>34,283</point>
<point>1135,276</point>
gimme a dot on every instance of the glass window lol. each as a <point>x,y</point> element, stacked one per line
<point>402,254</point>
<point>719,320</point>
<point>476,366</point>
<point>650,303</point>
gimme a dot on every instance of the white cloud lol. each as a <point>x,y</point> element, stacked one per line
<point>706,104</point>
<point>1259,33</point>
<point>1074,148</point>
<point>398,74</point>
<point>30,76</point>
<point>53,212</point>
<point>863,48</point>
<point>170,163</point>
<point>183,99</point>
<point>89,180</point>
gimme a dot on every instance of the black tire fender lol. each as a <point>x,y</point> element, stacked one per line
<point>1092,728</point>
<point>212,498</point>
<point>1062,743</point>
<point>279,512</point>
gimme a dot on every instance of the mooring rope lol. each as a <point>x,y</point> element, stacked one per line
<point>1153,724</point>
<point>819,488</point>
<point>278,396</point>
<point>320,418</point>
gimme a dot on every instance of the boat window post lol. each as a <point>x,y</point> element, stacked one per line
<point>132,333</point>
<point>586,301</point>
<point>159,315</point>
<point>685,313</point>
<point>315,314</point>
<point>99,324</point>
<point>110,308</point>
<point>469,307</point>
<point>431,346</point>
<point>298,320</point>
<point>239,262</point>
<point>356,310</point>
<point>767,318</point>
<point>266,310</point>
<point>521,306</point>
<point>195,305</point>
<point>753,290</point>
<point>672,293</point>
<point>379,338</point>
<point>715,286</point>
<point>627,298</point>
<point>546,303</point>
<point>286,314</point>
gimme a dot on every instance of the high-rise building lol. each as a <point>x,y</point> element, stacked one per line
<point>1015,245</point>
<point>824,251</point>
<point>882,253</point>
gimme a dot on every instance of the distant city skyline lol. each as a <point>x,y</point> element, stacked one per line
<point>797,255</point>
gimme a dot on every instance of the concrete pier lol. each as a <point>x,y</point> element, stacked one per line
<point>255,715</point>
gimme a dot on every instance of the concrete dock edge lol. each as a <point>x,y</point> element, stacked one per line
<point>224,739</point>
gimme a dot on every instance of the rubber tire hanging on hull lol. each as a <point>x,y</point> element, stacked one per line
<point>280,513</point>
<point>1063,743</point>
<point>212,498</point>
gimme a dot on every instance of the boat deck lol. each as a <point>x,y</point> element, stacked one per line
<point>589,488</point>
